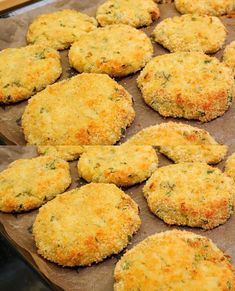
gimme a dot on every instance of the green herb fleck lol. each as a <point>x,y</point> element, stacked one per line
<point>123,131</point>
<point>27,193</point>
<point>125,266</point>
<point>40,56</point>
<point>51,165</point>
<point>207,61</point>
<point>52,218</point>
<point>42,110</point>
<point>104,59</point>
<point>229,286</point>
<point>129,237</point>
<point>201,113</point>
<point>163,75</point>
<point>230,99</point>
<point>210,171</point>
<point>8,98</point>
<point>199,257</point>
<point>167,78</point>
<point>204,221</point>
<point>168,186</point>
<point>231,207</point>
<point>111,170</point>
<point>16,83</point>
<point>7,85</point>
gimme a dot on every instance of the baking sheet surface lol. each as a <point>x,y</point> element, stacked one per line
<point>98,277</point>
<point>18,227</point>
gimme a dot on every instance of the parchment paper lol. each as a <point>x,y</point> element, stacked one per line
<point>12,34</point>
<point>98,277</point>
<point>18,227</point>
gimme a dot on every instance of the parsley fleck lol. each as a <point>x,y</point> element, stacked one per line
<point>125,266</point>
<point>210,171</point>
<point>123,131</point>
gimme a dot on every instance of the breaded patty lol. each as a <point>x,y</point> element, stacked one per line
<point>191,32</point>
<point>120,165</point>
<point>181,142</point>
<point>229,56</point>
<point>136,13</point>
<point>86,109</point>
<point>187,84</point>
<point>28,183</point>
<point>27,70</point>
<point>87,232</point>
<point>60,29</point>
<point>116,50</point>
<point>192,194</point>
<point>68,153</point>
<point>230,166</point>
<point>174,260</point>
<point>205,7</point>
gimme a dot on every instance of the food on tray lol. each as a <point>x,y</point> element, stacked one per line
<point>68,153</point>
<point>230,166</point>
<point>191,32</point>
<point>86,109</point>
<point>174,260</point>
<point>28,183</point>
<point>121,165</point>
<point>86,225</point>
<point>117,50</point>
<point>60,29</point>
<point>229,56</point>
<point>181,142</point>
<point>136,13</point>
<point>205,7</point>
<point>192,194</point>
<point>187,84</point>
<point>27,70</point>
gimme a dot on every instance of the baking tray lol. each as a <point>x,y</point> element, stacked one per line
<point>17,228</point>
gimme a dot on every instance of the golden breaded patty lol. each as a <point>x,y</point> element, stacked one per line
<point>205,7</point>
<point>230,166</point>
<point>116,50</point>
<point>120,165</point>
<point>181,142</point>
<point>27,70</point>
<point>86,109</point>
<point>28,183</point>
<point>68,153</point>
<point>229,56</point>
<point>60,29</point>
<point>192,194</point>
<point>174,260</point>
<point>187,84</point>
<point>136,13</point>
<point>87,232</point>
<point>191,32</point>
